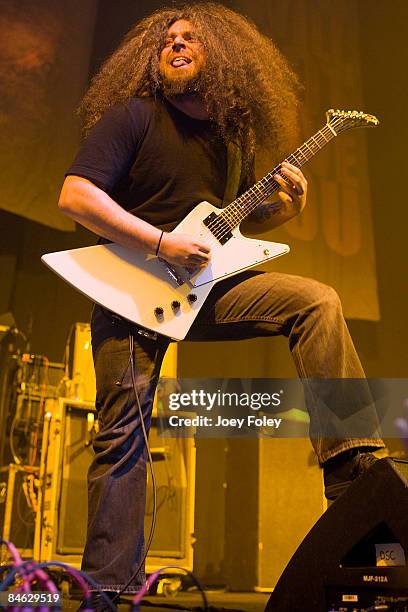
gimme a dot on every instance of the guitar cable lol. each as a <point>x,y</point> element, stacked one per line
<point>149,582</point>
<point>150,459</point>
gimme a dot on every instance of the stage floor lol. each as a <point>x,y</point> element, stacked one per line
<point>238,602</point>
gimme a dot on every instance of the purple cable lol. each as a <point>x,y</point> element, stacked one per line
<point>30,570</point>
<point>45,581</point>
<point>74,573</point>
<point>26,586</point>
<point>17,561</point>
<point>77,576</point>
<point>149,582</point>
<point>43,578</point>
<point>153,577</point>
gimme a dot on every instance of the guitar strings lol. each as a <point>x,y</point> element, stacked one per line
<point>263,187</point>
<point>260,191</point>
<point>242,206</point>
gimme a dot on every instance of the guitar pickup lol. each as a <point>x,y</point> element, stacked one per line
<point>219,227</point>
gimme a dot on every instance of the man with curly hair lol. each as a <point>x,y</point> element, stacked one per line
<point>159,118</point>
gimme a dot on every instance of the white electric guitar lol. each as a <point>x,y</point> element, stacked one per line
<point>164,298</point>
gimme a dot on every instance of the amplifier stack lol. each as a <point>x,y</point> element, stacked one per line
<point>51,421</point>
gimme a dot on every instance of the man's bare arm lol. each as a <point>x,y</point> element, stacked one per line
<point>93,208</point>
<point>267,216</point>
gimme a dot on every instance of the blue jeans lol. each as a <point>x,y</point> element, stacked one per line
<point>248,305</point>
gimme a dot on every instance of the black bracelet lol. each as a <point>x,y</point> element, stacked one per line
<point>158,244</point>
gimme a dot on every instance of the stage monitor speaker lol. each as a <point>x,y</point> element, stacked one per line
<point>354,558</point>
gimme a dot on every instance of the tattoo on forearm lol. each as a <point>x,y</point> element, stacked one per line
<point>265,211</point>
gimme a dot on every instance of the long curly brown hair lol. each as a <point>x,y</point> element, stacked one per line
<point>249,89</point>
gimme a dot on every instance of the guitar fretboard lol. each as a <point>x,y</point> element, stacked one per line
<point>240,208</point>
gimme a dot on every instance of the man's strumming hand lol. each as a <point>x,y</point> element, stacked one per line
<point>184,250</point>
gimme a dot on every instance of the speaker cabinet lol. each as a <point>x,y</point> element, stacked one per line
<point>66,455</point>
<point>18,506</point>
<point>81,365</point>
<point>354,558</point>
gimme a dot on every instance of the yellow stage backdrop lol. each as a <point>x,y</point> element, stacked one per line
<point>332,240</point>
<point>44,49</point>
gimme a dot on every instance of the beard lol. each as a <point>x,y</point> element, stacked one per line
<point>181,84</point>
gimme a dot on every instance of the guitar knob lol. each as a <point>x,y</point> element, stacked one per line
<point>159,312</point>
<point>175,305</point>
<point>191,298</point>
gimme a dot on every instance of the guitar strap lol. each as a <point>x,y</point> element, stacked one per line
<point>234,166</point>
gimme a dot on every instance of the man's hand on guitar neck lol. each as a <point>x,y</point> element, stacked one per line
<point>293,187</point>
<point>292,200</point>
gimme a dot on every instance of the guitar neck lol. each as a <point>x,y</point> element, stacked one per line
<point>240,208</point>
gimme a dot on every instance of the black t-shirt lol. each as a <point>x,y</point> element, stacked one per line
<point>155,161</point>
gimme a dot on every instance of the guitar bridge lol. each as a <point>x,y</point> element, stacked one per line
<point>219,227</point>
<point>172,272</point>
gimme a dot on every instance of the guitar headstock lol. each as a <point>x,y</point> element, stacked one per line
<point>341,120</point>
